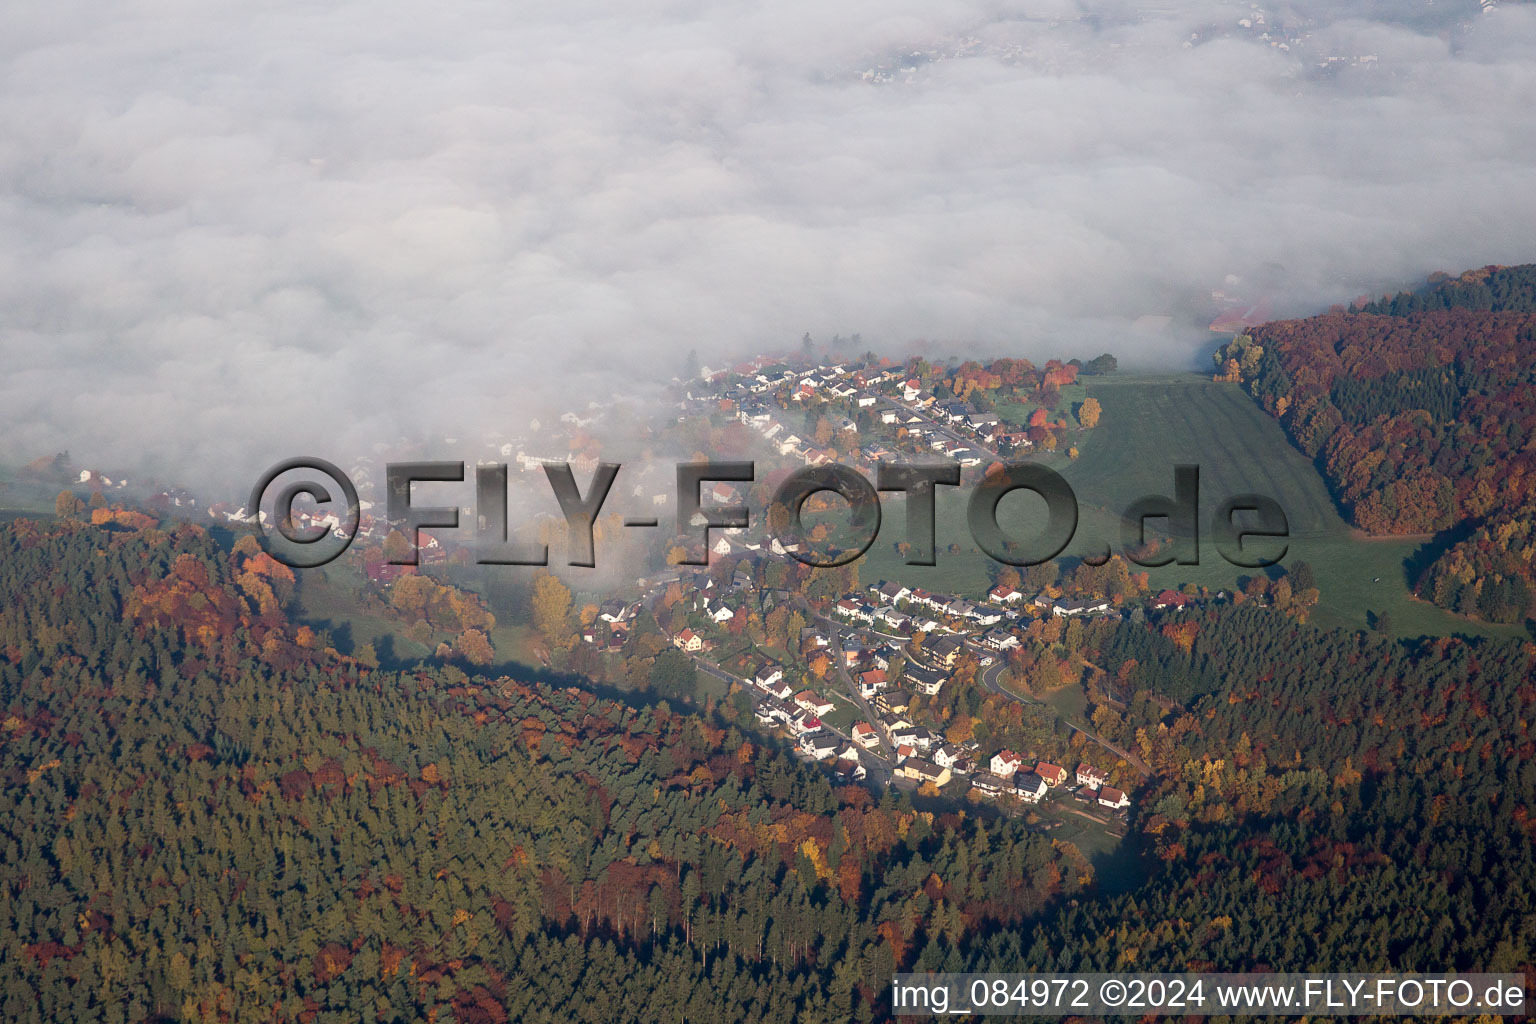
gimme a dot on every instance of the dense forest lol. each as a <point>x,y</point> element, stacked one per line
<point>210,815</point>
<point>1322,798</point>
<point>1422,422</point>
<point>1489,289</point>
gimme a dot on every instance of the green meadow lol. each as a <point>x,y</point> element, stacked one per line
<point>1151,423</point>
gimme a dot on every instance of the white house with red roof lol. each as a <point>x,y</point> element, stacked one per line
<point>1006,594</point>
<point>1005,763</point>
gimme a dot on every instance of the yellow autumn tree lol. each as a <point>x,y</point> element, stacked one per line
<point>551,610</point>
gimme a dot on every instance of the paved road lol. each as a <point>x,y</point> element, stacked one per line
<point>990,679</point>
<point>888,753</point>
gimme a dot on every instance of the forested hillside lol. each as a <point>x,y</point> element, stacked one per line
<point>1422,422</point>
<point>208,815</point>
<point>1490,289</point>
<point>1323,799</point>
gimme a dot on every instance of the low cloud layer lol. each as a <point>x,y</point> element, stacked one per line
<point>233,232</point>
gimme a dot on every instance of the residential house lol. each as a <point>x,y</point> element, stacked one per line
<point>988,785</point>
<point>1113,798</point>
<point>848,608</point>
<point>919,770</point>
<point>1029,787</point>
<point>947,755</point>
<point>849,769</point>
<point>921,738</point>
<point>1005,594</point>
<point>1005,763</point>
<point>945,650</point>
<point>1054,775</point>
<point>924,680</point>
<point>961,609</point>
<point>871,683</point>
<point>814,702</point>
<point>1089,606</point>
<point>803,722</point>
<point>1088,775</point>
<point>617,611</point>
<point>999,640</point>
<point>986,614</point>
<point>820,745</point>
<point>813,638</point>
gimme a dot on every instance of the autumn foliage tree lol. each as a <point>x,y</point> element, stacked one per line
<point>1421,422</point>
<point>1088,413</point>
<point>551,603</point>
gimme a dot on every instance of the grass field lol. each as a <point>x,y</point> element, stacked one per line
<point>26,497</point>
<point>328,598</point>
<point>1018,413</point>
<point>1150,423</point>
<point>326,601</point>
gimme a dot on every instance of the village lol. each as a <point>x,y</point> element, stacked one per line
<point>842,692</point>
<point>840,689</point>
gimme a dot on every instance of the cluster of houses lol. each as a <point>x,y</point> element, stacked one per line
<point>909,408</point>
<point>800,715</point>
<point>903,609</point>
<point>966,420</point>
<point>757,379</point>
<point>1007,776</point>
<point>1012,597</point>
<point>922,757</point>
<point>910,609</point>
<point>610,629</point>
<point>900,609</point>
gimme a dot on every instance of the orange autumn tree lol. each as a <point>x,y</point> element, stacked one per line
<point>1182,633</point>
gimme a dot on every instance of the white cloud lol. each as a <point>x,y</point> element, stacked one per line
<point>227,231</point>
